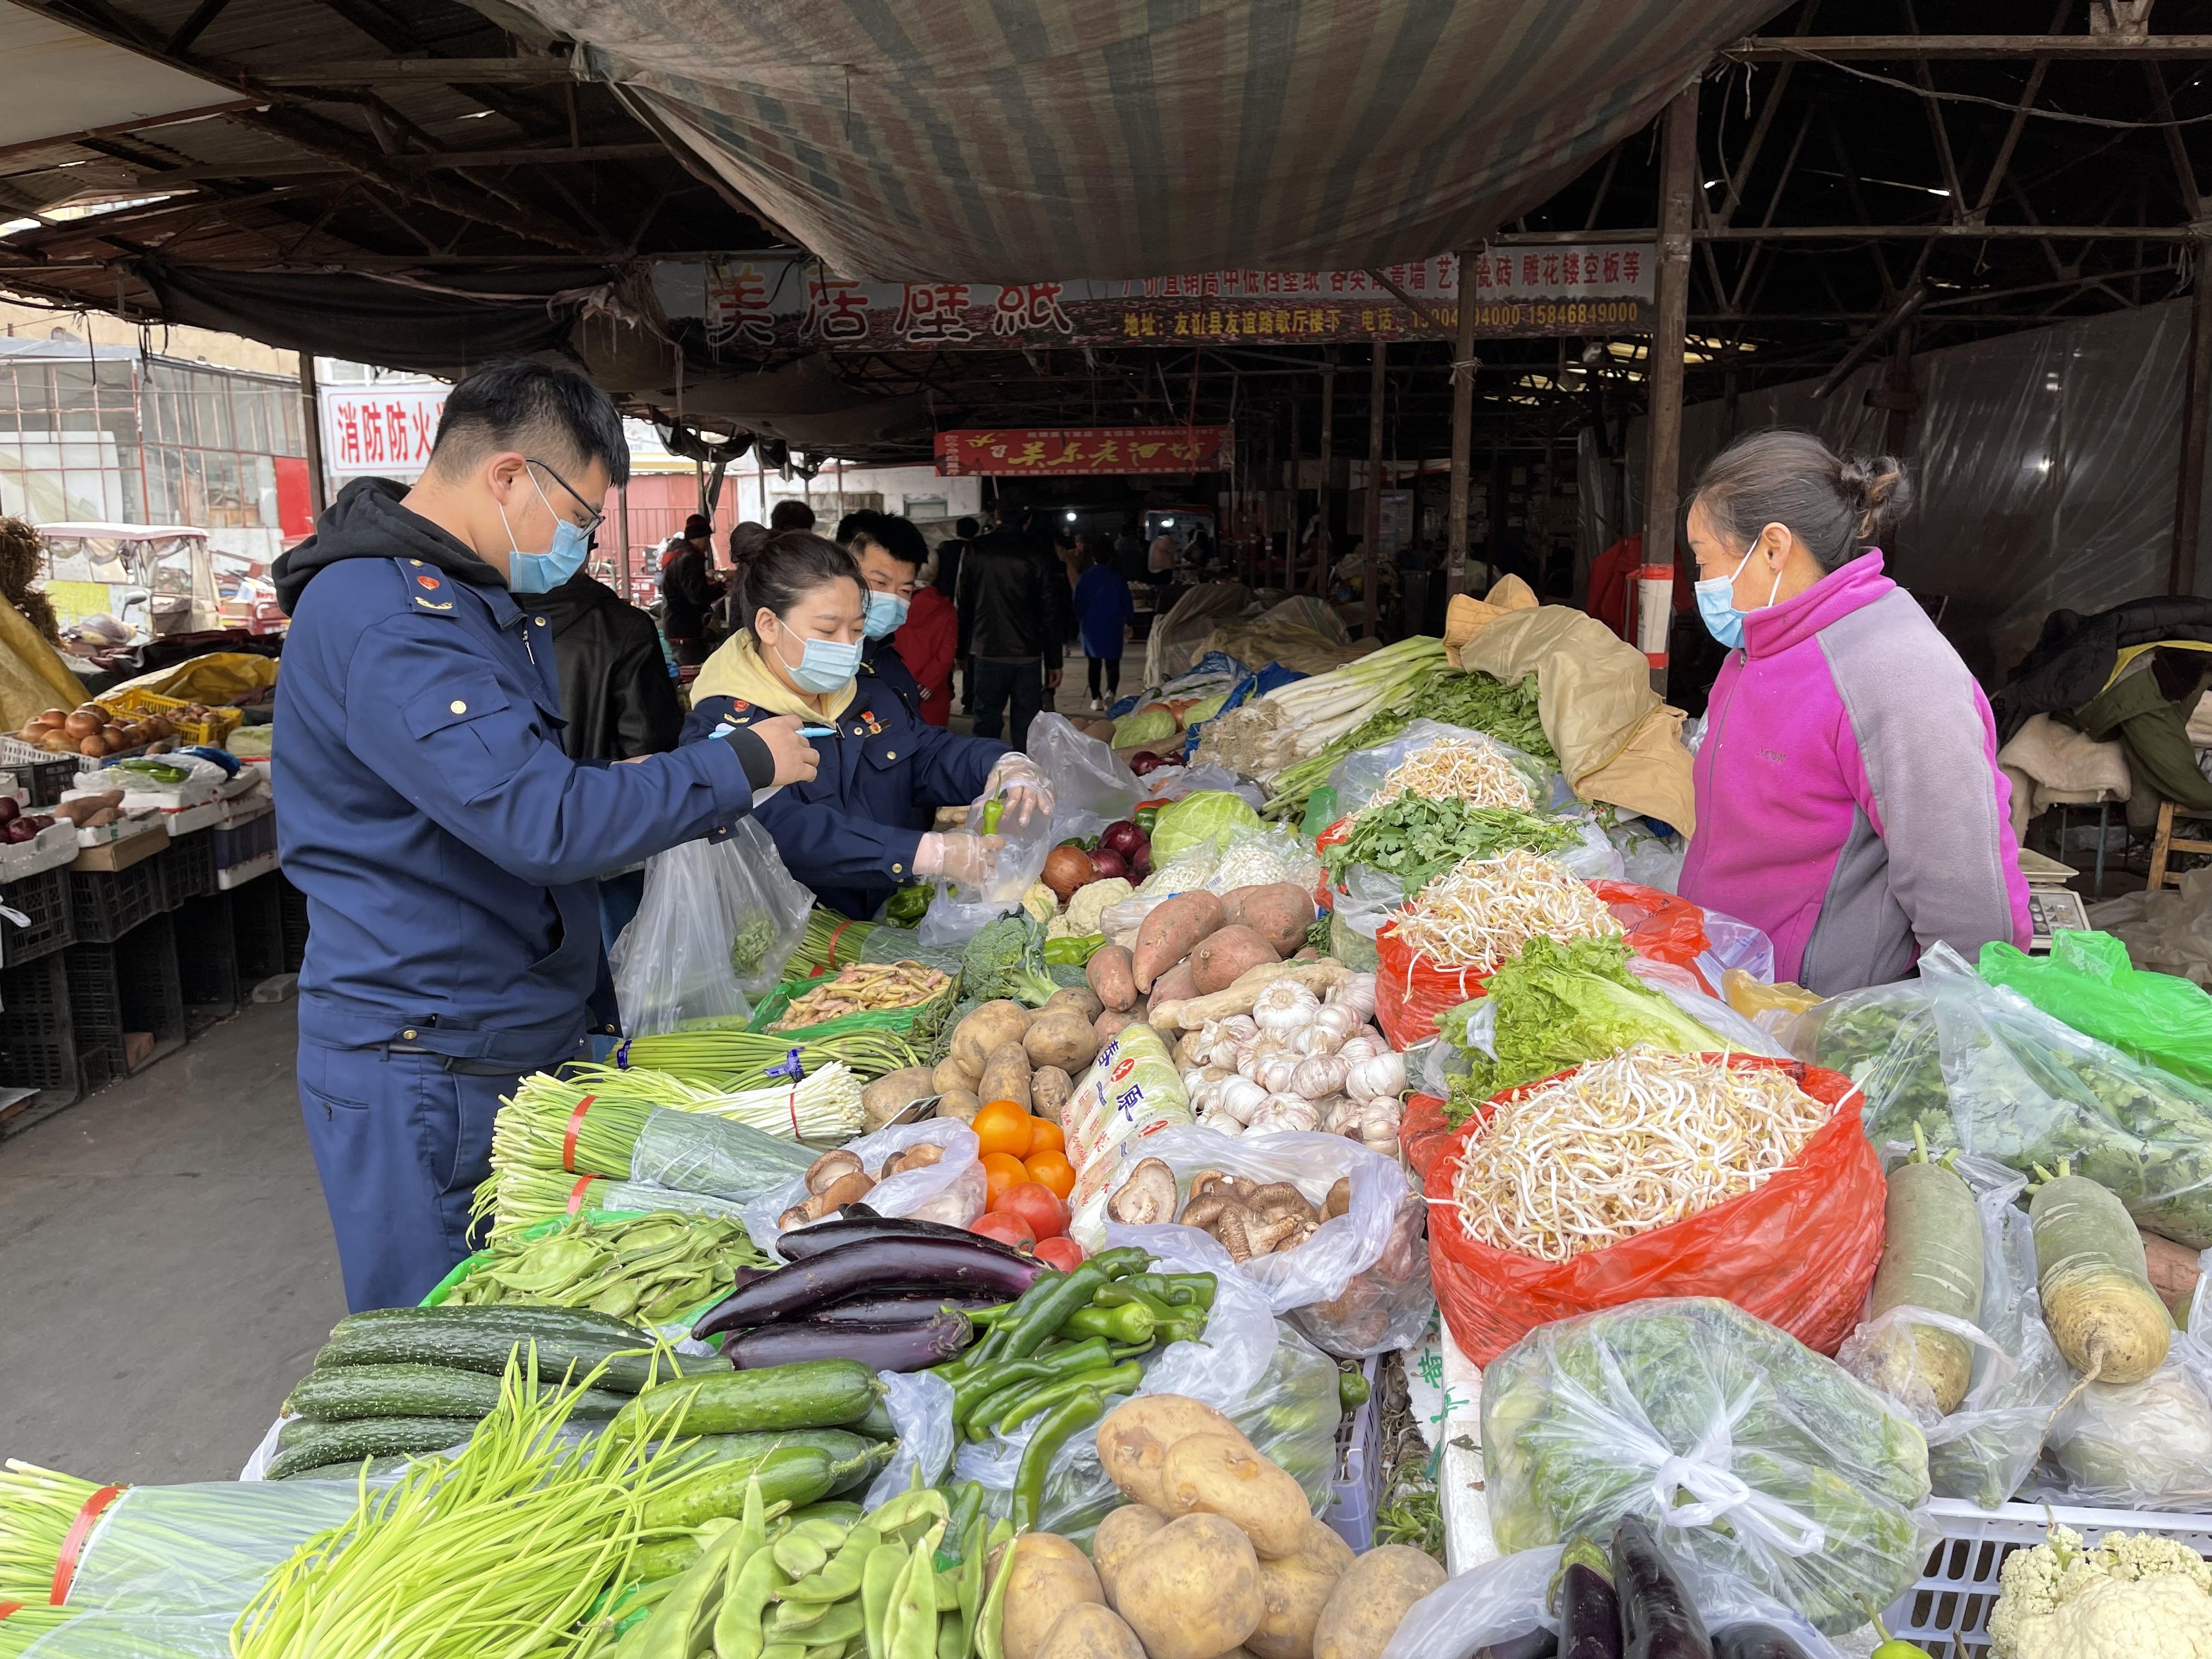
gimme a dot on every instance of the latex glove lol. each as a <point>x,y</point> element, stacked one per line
<point>1019,779</point>
<point>961,860</point>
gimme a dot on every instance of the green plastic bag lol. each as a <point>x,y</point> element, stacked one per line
<point>2087,982</point>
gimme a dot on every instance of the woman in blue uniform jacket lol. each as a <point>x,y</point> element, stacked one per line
<point>855,834</point>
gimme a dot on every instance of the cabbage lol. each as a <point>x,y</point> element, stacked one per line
<point>1205,710</point>
<point>1210,816</point>
<point>1155,724</point>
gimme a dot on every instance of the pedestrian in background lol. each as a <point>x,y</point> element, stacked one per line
<point>689,591</point>
<point>1104,609</point>
<point>1014,606</point>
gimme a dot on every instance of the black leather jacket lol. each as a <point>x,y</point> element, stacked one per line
<point>616,693</point>
<point>1014,601</point>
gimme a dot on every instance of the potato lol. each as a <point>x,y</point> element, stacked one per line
<point>989,1027</point>
<point>1062,1037</point>
<point>1134,1437</point>
<point>1171,932</point>
<point>1084,1001</point>
<point>1192,1589</point>
<point>1222,1474</point>
<point>1116,1541</point>
<point>1293,1591</point>
<point>2173,1271</point>
<point>887,1096</point>
<point>1224,954</point>
<point>1049,1576</point>
<point>1280,913</point>
<point>1006,1076</point>
<point>1111,976</point>
<point>1049,1087</point>
<point>1113,1020</point>
<point>951,1074</point>
<point>1365,1610</point>
<point>1087,1630</point>
<point>1176,985</point>
<point>960,1104</point>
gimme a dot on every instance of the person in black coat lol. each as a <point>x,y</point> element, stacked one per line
<point>1016,612</point>
<point>690,590</point>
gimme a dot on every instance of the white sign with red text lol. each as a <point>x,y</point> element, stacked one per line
<point>384,430</point>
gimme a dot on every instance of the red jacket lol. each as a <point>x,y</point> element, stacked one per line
<point>925,643</point>
<point>1612,583</point>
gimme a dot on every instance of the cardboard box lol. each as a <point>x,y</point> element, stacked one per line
<point>117,855</point>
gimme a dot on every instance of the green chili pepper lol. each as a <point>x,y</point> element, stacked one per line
<point>994,810</point>
<point>1131,1350</point>
<point>907,906</point>
<point>1121,1262</point>
<point>1131,1323</point>
<point>1065,1419</point>
<point>1351,1390</point>
<point>1029,1332</point>
<point>965,1508</point>
<point>1074,949</point>
<point>1171,1290</point>
<point>1123,1379</point>
<point>1057,1359</point>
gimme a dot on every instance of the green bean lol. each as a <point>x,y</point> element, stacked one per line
<point>842,1577</point>
<point>879,1576</point>
<point>738,1632</point>
<point>912,1633</point>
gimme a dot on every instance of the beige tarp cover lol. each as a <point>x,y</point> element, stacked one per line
<point>32,675</point>
<point>1617,742</point>
<point>216,678</point>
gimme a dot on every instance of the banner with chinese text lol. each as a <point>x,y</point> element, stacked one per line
<point>764,304</point>
<point>1038,452</point>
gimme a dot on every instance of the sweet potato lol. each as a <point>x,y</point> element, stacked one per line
<point>1111,1023</point>
<point>1177,984</point>
<point>1049,1087</point>
<point>1192,1589</point>
<point>1006,1076</point>
<point>988,1028</point>
<point>1226,952</point>
<point>1112,976</point>
<point>1134,1438</point>
<point>1371,1601</point>
<point>1280,913</point>
<point>1171,932</point>
<point>2172,1270</point>
<point>1048,1575</point>
<point>1116,1541</point>
<point>1222,1474</point>
<point>1061,1037</point>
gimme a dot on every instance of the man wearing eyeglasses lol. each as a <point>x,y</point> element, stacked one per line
<point>448,847</point>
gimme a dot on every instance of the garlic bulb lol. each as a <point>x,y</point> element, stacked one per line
<point>1383,1078</point>
<point>1222,1123</point>
<point>1358,994</point>
<point>1194,1079</point>
<point>1340,1116</point>
<point>1241,1028</point>
<point>1284,1006</point>
<point>1378,1125</point>
<point>1239,1098</point>
<point>1358,1048</point>
<point>1335,1017</point>
<point>1276,1071</point>
<point>1316,1039</point>
<point>1284,1112</point>
<point>1319,1076</point>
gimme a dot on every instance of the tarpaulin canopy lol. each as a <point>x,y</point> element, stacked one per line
<point>960,139</point>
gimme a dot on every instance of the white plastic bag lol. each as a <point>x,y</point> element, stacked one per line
<point>951,1191</point>
<point>1359,1286</point>
<point>2144,1445</point>
<point>719,921</point>
<point>1259,858</point>
<point>960,912</point>
<point>1681,986</point>
<point>920,1407</point>
<point>1091,787</point>
<point>1358,776</point>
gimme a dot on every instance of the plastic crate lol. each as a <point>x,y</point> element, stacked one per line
<point>187,865</point>
<point>47,778</point>
<point>237,843</point>
<point>1947,1612</point>
<point>1357,1492</point>
<point>38,1034</point>
<point>256,928</point>
<point>292,905</point>
<point>206,960</point>
<point>131,985</point>
<point>44,898</point>
<point>106,904</point>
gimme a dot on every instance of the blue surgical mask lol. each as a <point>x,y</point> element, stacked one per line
<point>886,613</point>
<point>541,573</point>
<point>823,666</point>
<point>1716,604</point>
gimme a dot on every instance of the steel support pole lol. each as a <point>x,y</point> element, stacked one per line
<point>1322,549</point>
<point>2197,390</point>
<point>1462,433</point>
<point>1376,373</point>
<point>1663,375</point>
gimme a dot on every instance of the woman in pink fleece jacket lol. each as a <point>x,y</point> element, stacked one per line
<point>1849,799</point>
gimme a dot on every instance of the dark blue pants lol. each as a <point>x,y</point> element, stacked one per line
<point>998,684</point>
<point>400,1143</point>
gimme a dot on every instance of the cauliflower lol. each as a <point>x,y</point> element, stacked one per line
<point>1040,902</point>
<point>1090,901</point>
<point>2130,1595</point>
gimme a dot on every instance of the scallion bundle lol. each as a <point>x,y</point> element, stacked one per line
<point>830,942</point>
<point>22,1622</point>
<point>726,1061</point>
<point>1327,707</point>
<point>37,1509</point>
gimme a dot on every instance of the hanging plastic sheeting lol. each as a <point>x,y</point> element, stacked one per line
<point>951,139</point>
<point>2044,467</point>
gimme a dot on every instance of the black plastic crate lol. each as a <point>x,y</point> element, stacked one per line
<point>256,928</point>
<point>47,780</point>
<point>207,959</point>
<point>294,909</point>
<point>107,904</point>
<point>238,843</point>
<point>131,985</point>
<point>44,898</point>
<point>38,1032</point>
<point>187,867</point>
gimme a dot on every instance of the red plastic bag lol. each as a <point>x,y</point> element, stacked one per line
<point>1798,1251</point>
<point>1412,989</point>
<point>1422,1134</point>
<point>1666,927</point>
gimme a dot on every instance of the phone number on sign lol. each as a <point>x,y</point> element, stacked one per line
<point>1560,313</point>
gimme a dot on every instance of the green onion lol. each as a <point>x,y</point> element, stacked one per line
<point>37,1508</point>
<point>23,1625</point>
<point>729,1061</point>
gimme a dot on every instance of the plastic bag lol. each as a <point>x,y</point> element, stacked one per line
<point>1359,1286</point>
<point>1669,928</point>
<point>959,912</point>
<point>1682,988</point>
<point>136,1636</point>
<point>1357,777</point>
<point>2144,1445</point>
<point>920,1407</point>
<point>1133,1091</point>
<point>694,1153</point>
<point>1090,788</point>
<point>1761,1458</point>
<point>951,1191</point>
<point>2166,931</point>
<point>1490,1605</point>
<point>1260,857</point>
<point>718,921</point>
<point>2087,980</point>
<point>1653,861</point>
<point>1980,1067</point>
<point>1798,1250</point>
<point>205,1547</point>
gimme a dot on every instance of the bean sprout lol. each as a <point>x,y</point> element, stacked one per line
<point>1485,909</point>
<point>1619,1147</point>
<point>1476,773</point>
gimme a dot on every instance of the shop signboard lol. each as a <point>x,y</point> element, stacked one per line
<point>378,429</point>
<point>1082,451</point>
<point>761,304</point>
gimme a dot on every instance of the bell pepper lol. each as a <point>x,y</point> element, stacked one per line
<point>908,905</point>
<point>1145,818</point>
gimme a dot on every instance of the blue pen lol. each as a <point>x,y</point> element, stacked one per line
<point>817,731</point>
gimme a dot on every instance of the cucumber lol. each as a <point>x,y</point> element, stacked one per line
<point>788,1474</point>
<point>344,1392</point>
<point>348,1470</point>
<point>814,1394</point>
<point>844,1449</point>
<point>304,1443</point>
<point>481,1339</point>
<point>663,1560</point>
<point>876,1425</point>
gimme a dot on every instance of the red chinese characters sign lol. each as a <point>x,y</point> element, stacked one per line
<point>1076,451</point>
<point>386,430</point>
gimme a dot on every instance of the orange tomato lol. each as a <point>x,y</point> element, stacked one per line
<point>1001,1171</point>
<point>1052,1170</point>
<point>1003,1126</point>
<point>1044,1137</point>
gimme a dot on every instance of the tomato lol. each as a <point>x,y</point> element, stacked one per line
<point>1001,1171</point>
<point>1003,1126</point>
<point>1035,1203</point>
<point>1052,1170</point>
<point>1063,1253</point>
<point>1044,1137</point>
<point>1007,1229</point>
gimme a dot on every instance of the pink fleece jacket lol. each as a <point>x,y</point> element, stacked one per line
<point>1849,799</point>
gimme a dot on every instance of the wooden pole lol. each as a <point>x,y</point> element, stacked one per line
<point>1290,535</point>
<point>1462,430</point>
<point>1327,461</point>
<point>1663,374</point>
<point>1377,370</point>
<point>311,423</point>
<point>2196,389</point>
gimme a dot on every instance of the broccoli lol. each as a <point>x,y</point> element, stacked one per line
<point>1006,959</point>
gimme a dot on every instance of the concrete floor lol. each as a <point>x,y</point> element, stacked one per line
<point>166,1268</point>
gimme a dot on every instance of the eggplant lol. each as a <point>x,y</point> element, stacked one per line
<point>902,1307</point>
<point>804,1243</point>
<point>1590,1611</point>
<point>1536,1644</point>
<point>1658,1621</point>
<point>909,1347</point>
<point>871,1266</point>
<point>1757,1642</point>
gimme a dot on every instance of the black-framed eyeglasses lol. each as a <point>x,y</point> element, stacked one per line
<point>593,517</point>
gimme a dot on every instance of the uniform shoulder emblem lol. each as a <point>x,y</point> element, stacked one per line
<point>426,587</point>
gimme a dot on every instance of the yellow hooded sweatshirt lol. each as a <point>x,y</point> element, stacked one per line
<point>735,670</point>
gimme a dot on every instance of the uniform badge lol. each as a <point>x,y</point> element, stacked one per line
<point>430,582</point>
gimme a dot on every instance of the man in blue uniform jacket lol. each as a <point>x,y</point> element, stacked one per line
<point>448,848</point>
